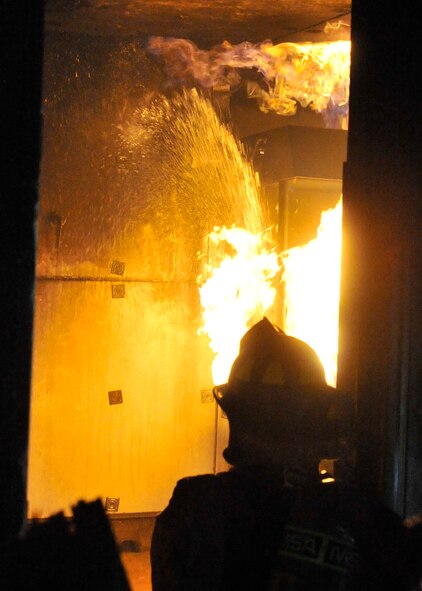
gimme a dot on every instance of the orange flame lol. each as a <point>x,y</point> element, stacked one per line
<point>240,289</point>
<point>314,75</point>
<point>236,294</point>
<point>312,290</point>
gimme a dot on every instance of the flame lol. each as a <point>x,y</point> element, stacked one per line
<point>312,290</point>
<point>236,293</point>
<point>239,288</point>
<point>314,75</point>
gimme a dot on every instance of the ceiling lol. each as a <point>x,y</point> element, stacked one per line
<point>206,22</point>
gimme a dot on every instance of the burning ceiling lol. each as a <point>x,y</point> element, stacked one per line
<point>314,75</point>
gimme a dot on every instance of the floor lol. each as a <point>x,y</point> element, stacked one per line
<point>133,537</point>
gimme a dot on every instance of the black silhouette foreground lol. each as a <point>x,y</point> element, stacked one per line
<point>77,554</point>
<point>276,521</point>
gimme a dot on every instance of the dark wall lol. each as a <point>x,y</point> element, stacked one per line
<point>381,302</point>
<point>21,36</point>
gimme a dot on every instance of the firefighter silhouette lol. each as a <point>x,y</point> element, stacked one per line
<point>276,521</point>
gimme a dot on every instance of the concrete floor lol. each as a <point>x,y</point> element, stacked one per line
<point>133,537</point>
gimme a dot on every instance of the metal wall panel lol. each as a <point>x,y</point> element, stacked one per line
<point>88,344</point>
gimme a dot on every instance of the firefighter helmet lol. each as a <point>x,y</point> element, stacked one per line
<point>277,400</point>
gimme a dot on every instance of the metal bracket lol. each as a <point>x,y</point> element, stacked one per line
<point>117,268</point>
<point>206,396</point>
<point>112,504</point>
<point>118,291</point>
<point>115,397</point>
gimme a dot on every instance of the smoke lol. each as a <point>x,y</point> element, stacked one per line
<point>187,65</point>
<point>314,75</point>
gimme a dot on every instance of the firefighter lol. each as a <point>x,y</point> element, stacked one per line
<point>277,521</point>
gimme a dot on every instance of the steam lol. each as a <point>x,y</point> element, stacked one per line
<point>314,75</point>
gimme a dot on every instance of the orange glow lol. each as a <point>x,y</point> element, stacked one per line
<point>314,75</point>
<point>311,74</point>
<point>236,293</point>
<point>312,290</point>
<point>238,289</point>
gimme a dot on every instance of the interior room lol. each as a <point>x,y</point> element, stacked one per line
<point>167,126</point>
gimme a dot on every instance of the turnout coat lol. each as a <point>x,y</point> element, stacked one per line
<point>247,530</point>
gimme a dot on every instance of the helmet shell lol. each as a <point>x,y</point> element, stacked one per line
<point>268,356</point>
<point>277,401</point>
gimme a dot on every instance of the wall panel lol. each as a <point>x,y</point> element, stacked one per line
<point>88,344</point>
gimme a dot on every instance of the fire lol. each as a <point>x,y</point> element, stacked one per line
<point>314,75</point>
<point>239,288</point>
<point>236,293</point>
<point>312,290</point>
